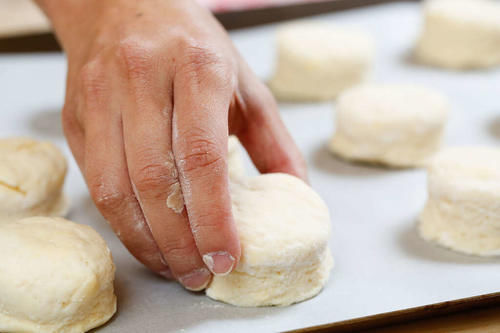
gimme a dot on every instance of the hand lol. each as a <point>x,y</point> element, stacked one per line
<point>153,89</point>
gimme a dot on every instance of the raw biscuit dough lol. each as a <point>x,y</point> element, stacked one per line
<point>316,61</point>
<point>284,228</point>
<point>463,206</point>
<point>32,176</point>
<point>392,124</point>
<point>55,276</point>
<point>460,34</point>
<point>236,167</point>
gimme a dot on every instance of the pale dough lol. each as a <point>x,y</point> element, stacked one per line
<point>463,206</point>
<point>32,176</point>
<point>460,34</point>
<point>56,276</point>
<point>393,124</point>
<point>316,61</point>
<point>236,167</point>
<point>284,228</point>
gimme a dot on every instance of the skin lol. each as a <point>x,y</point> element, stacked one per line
<point>154,87</point>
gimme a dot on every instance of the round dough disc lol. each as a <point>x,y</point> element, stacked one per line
<point>32,175</point>
<point>393,124</point>
<point>284,228</point>
<point>56,276</point>
<point>460,34</point>
<point>316,61</point>
<point>236,167</point>
<point>463,211</point>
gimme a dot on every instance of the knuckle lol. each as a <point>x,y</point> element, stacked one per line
<point>153,179</point>
<point>199,57</point>
<point>107,199</point>
<point>181,40</point>
<point>135,55</point>
<point>200,63</point>
<point>202,153</point>
<point>92,80</point>
<point>179,249</point>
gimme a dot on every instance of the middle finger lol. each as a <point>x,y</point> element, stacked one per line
<point>147,125</point>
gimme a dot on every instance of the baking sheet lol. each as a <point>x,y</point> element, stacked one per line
<point>381,265</point>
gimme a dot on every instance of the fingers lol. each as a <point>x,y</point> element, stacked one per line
<point>154,175</point>
<point>264,134</point>
<point>202,93</point>
<point>106,174</point>
<point>148,144</point>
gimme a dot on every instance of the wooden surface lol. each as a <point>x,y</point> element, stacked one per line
<point>476,321</point>
<point>472,314</point>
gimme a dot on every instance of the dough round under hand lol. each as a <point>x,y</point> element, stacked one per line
<point>31,179</point>
<point>463,206</point>
<point>55,276</point>
<point>460,34</point>
<point>284,228</point>
<point>395,125</point>
<point>316,61</point>
<point>236,167</point>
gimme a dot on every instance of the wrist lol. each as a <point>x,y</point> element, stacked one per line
<point>70,18</point>
<point>80,23</point>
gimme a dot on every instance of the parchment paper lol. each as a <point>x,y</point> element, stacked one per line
<point>381,265</point>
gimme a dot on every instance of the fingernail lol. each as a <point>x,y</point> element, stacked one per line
<point>219,263</point>
<point>196,280</point>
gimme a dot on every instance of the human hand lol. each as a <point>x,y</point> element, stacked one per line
<point>153,89</point>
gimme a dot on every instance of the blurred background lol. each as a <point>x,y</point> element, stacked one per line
<point>24,28</point>
<point>231,5</point>
<point>20,17</point>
